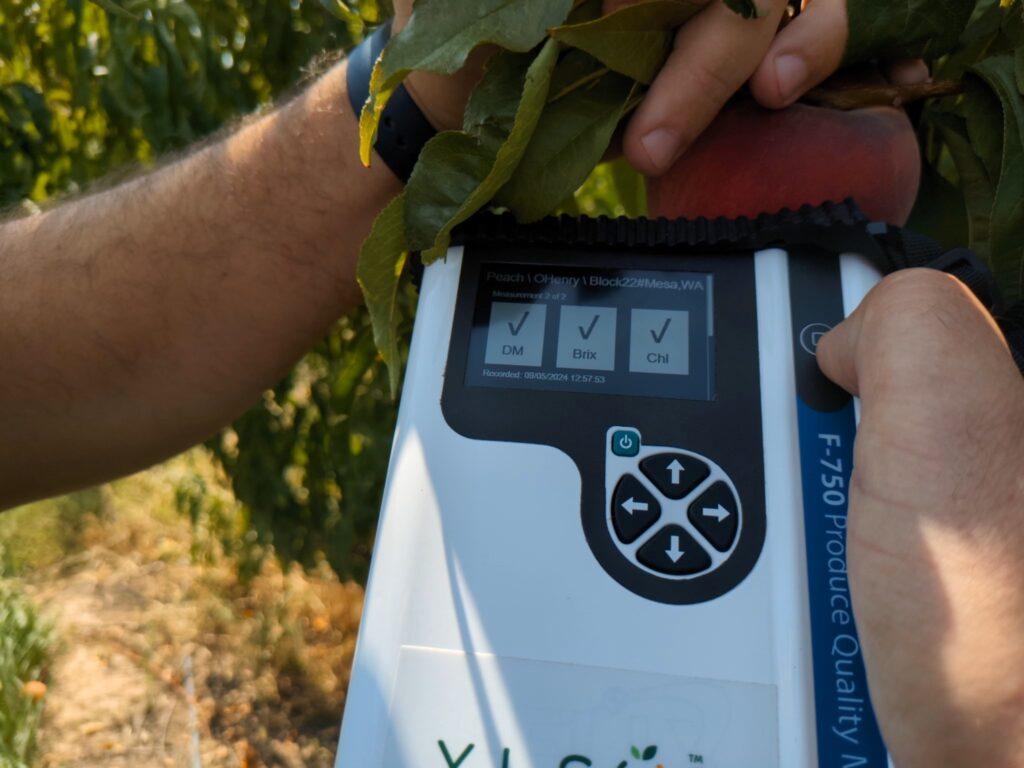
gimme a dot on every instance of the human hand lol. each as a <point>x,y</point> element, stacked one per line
<point>936,522</point>
<point>717,52</point>
<point>714,55</point>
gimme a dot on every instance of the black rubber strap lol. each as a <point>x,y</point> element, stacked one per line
<point>654,234</point>
<point>403,128</point>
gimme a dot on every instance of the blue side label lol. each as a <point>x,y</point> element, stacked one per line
<point>848,734</point>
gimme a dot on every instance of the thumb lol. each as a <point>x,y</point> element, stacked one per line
<point>837,353</point>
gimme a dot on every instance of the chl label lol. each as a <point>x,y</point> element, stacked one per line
<point>463,710</point>
<point>659,342</point>
<point>586,338</point>
<point>516,334</point>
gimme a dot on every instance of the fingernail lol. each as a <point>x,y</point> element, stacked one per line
<point>791,73</point>
<point>661,146</point>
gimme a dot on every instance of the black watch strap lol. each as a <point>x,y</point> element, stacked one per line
<point>403,128</point>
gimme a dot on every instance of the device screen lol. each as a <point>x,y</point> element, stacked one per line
<point>589,329</point>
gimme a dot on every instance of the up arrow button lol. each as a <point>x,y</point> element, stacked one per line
<point>675,474</point>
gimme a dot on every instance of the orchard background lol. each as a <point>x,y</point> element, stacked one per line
<point>235,570</point>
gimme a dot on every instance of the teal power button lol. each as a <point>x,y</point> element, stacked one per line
<point>625,442</point>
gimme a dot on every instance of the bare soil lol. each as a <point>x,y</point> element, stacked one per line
<point>167,658</point>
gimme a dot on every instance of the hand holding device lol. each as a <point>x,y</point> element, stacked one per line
<point>715,54</point>
<point>936,522</point>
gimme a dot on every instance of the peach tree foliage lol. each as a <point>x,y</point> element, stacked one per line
<point>565,78</point>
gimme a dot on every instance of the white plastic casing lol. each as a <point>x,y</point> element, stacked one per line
<point>488,621</point>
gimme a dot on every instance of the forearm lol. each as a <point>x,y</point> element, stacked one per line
<point>137,321</point>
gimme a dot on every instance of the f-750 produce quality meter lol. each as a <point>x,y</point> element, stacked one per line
<point>613,532</point>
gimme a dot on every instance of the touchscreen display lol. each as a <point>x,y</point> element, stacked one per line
<point>588,329</point>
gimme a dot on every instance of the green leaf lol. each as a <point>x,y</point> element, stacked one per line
<point>939,210</point>
<point>630,187</point>
<point>440,36</point>
<point>338,9</point>
<point>381,261</point>
<point>635,40</point>
<point>650,752</point>
<point>1007,233</point>
<point>634,752</point>
<point>745,8</point>
<point>904,30</point>
<point>977,188</point>
<point>1019,68</point>
<point>460,171</point>
<point>587,10</point>
<point>571,137</point>
<point>116,10</point>
<point>983,114</point>
<point>575,69</point>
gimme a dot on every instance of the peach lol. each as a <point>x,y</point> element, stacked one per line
<point>753,160</point>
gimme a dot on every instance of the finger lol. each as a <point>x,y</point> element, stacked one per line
<point>803,54</point>
<point>837,353</point>
<point>915,326</point>
<point>714,54</point>
<point>907,72</point>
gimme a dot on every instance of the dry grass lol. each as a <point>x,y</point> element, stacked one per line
<point>148,609</point>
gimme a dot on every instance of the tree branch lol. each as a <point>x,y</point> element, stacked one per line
<point>859,96</point>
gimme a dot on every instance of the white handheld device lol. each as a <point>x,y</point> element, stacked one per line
<point>613,532</point>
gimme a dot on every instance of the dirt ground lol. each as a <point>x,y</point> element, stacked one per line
<point>166,658</point>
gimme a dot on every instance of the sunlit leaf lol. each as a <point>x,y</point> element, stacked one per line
<point>459,172</point>
<point>571,137</point>
<point>634,40</point>
<point>381,261</point>
<point>440,36</point>
<point>111,7</point>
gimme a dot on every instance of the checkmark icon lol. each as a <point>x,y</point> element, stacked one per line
<point>515,329</point>
<point>659,336</point>
<point>586,333</point>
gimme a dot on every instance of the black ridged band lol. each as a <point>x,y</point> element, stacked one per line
<point>403,128</point>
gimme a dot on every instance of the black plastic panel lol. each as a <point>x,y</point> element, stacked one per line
<point>726,428</point>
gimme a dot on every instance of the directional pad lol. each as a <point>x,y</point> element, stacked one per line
<point>715,514</point>
<point>675,474</point>
<point>672,514</point>
<point>634,509</point>
<point>674,551</point>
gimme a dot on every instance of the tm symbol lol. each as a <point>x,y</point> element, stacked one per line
<point>694,759</point>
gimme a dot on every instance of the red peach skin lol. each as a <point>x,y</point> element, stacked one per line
<point>753,160</point>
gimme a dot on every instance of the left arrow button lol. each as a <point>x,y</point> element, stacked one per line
<point>634,509</point>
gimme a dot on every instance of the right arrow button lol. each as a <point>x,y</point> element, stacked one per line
<point>716,515</point>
